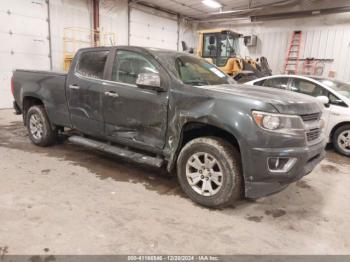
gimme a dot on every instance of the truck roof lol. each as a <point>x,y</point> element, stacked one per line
<point>137,48</point>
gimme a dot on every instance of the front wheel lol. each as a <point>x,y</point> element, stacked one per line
<point>209,171</point>
<point>341,140</point>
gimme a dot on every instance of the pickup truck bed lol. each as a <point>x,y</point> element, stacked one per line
<point>46,86</point>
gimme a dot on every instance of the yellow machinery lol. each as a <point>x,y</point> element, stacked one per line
<point>75,38</point>
<point>221,47</point>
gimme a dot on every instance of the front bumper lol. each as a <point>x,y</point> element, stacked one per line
<point>260,181</point>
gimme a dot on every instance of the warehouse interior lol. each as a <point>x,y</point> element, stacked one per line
<point>137,23</point>
<point>71,200</point>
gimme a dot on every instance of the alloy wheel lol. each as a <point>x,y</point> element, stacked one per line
<point>204,174</point>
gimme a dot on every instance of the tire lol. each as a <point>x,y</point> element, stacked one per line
<point>228,163</point>
<point>39,128</point>
<point>341,140</point>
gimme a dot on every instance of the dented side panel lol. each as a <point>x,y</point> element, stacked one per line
<point>137,116</point>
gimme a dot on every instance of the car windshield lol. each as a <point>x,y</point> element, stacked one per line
<point>341,87</point>
<point>198,72</point>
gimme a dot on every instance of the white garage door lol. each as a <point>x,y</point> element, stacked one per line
<point>24,41</point>
<point>152,30</point>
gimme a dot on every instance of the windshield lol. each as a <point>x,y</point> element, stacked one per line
<point>341,87</point>
<point>197,72</point>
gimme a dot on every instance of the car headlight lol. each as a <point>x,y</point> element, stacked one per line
<point>288,124</point>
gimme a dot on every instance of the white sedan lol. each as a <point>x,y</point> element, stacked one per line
<point>334,94</point>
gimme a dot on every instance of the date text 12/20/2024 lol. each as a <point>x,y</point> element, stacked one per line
<point>173,258</point>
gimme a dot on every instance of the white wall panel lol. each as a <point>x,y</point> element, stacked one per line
<point>151,30</point>
<point>326,37</point>
<point>114,18</point>
<point>24,41</point>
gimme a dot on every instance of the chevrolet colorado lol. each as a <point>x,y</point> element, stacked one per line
<point>166,108</point>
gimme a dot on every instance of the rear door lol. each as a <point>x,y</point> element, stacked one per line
<point>85,91</point>
<point>135,116</point>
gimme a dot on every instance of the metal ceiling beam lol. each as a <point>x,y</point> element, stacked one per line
<point>144,3</point>
<point>297,14</point>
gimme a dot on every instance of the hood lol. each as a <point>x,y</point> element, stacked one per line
<point>285,102</point>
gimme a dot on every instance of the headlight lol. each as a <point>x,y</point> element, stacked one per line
<point>288,124</point>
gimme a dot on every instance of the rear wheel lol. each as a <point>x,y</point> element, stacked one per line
<point>341,140</point>
<point>39,128</point>
<point>209,172</point>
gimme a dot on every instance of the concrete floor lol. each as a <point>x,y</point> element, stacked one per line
<point>69,200</point>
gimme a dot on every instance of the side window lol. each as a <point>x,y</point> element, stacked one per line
<point>128,65</point>
<point>334,100</point>
<point>92,64</point>
<point>280,82</point>
<point>259,83</point>
<point>307,88</point>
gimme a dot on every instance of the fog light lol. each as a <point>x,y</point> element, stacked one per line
<point>280,164</point>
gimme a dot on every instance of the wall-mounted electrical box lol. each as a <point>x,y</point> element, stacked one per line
<point>250,40</point>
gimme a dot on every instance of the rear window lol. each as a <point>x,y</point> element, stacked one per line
<point>92,64</point>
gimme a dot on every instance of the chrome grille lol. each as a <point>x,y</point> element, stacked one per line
<point>311,117</point>
<point>313,134</point>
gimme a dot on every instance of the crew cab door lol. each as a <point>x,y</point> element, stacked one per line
<point>85,90</point>
<point>135,116</point>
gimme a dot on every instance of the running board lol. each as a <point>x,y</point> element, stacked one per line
<point>118,151</point>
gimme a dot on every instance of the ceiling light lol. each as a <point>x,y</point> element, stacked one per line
<point>211,3</point>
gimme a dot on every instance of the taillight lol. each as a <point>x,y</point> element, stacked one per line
<point>12,86</point>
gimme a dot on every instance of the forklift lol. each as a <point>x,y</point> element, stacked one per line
<point>221,47</point>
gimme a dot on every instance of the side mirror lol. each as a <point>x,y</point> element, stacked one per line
<point>149,81</point>
<point>323,99</point>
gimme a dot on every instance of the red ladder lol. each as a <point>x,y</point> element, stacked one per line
<point>292,60</point>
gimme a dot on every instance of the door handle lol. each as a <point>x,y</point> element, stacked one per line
<point>111,93</point>
<point>74,87</point>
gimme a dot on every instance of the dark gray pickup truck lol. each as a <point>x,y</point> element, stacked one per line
<point>172,109</point>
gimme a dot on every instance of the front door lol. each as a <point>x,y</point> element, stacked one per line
<point>85,90</point>
<point>134,116</point>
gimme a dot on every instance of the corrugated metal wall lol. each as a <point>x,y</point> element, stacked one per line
<point>326,37</point>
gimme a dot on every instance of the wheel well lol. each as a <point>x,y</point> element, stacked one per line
<point>195,130</point>
<point>336,127</point>
<point>28,102</point>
